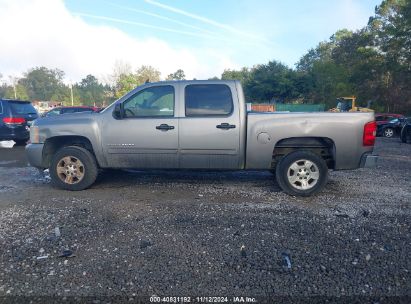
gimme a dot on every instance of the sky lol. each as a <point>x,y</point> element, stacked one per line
<point>202,37</point>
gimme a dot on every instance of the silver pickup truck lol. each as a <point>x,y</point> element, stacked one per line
<point>200,125</point>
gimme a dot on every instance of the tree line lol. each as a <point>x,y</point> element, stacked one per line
<point>43,84</point>
<point>373,63</point>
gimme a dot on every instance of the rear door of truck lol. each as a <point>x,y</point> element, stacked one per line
<point>209,127</point>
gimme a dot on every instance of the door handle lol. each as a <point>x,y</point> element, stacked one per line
<point>164,127</point>
<point>225,126</point>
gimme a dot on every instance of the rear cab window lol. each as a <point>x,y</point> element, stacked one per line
<point>208,100</point>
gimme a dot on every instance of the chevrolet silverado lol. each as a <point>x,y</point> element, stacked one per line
<point>201,125</point>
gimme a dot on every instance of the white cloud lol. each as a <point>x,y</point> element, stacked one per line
<point>44,33</point>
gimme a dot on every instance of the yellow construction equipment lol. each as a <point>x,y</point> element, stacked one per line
<point>348,104</point>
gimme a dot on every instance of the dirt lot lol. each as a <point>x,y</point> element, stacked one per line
<point>207,234</point>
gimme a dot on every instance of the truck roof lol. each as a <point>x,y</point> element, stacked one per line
<point>190,81</point>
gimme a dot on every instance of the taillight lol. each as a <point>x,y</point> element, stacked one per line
<point>14,120</point>
<point>370,130</point>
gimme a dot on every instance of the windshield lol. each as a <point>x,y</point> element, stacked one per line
<point>22,108</point>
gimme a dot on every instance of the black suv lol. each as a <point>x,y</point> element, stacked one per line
<point>16,116</point>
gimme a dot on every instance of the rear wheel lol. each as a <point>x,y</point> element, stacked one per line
<point>389,132</point>
<point>73,168</point>
<point>302,173</point>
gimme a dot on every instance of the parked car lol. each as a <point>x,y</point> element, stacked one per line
<point>384,118</point>
<point>405,134</point>
<point>15,118</point>
<point>392,128</point>
<point>67,110</point>
<point>201,125</point>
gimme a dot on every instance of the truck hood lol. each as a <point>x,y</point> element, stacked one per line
<point>76,124</point>
<point>80,117</point>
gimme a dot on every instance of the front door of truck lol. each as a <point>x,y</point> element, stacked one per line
<point>209,128</point>
<point>147,134</point>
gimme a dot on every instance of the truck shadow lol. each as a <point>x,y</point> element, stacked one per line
<point>123,178</point>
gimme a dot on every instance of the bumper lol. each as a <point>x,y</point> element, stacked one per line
<point>368,161</point>
<point>14,134</point>
<point>34,154</point>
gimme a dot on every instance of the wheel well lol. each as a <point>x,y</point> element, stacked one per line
<point>322,146</point>
<point>53,144</point>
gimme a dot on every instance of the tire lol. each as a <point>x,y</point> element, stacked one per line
<point>73,168</point>
<point>388,132</point>
<point>297,177</point>
<point>403,135</point>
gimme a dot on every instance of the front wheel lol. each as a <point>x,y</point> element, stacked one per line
<point>73,168</point>
<point>389,132</point>
<point>301,173</point>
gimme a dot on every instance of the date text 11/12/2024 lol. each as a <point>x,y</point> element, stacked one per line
<point>207,299</point>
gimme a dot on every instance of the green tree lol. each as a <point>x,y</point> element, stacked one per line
<point>177,75</point>
<point>21,92</point>
<point>41,83</point>
<point>147,73</point>
<point>91,91</point>
<point>270,82</point>
<point>127,82</point>
<point>391,29</point>
<point>372,63</point>
<point>243,75</point>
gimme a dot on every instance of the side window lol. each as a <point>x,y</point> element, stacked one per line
<point>379,118</point>
<point>83,110</point>
<point>53,112</point>
<point>154,101</point>
<point>68,110</point>
<point>1,107</point>
<point>208,100</point>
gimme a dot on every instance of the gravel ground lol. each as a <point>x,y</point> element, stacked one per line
<point>194,234</point>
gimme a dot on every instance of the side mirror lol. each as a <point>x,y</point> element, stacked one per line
<point>118,111</point>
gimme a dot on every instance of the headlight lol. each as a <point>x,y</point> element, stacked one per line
<point>34,135</point>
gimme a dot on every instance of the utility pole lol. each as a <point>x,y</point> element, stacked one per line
<point>14,81</point>
<point>71,94</point>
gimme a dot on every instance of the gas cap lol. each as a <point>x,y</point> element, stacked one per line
<point>263,138</point>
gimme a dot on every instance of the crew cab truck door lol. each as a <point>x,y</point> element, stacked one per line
<point>209,133</point>
<point>146,136</point>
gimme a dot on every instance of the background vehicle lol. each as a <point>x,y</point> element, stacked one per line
<point>201,125</point>
<point>392,128</point>
<point>405,134</point>
<point>384,118</point>
<point>349,104</point>
<point>67,110</point>
<point>15,118</point>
